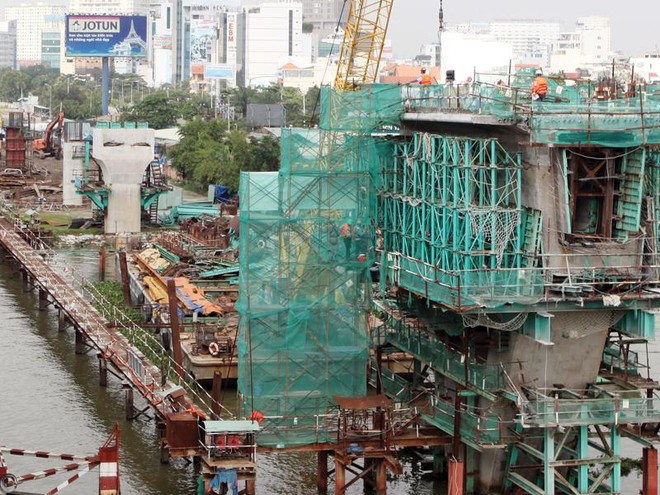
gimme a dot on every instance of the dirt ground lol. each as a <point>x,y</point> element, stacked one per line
<point>40,177</point>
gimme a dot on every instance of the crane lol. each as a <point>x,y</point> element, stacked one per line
<point>364,38</point>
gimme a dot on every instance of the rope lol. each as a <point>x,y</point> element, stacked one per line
<point>483,320</point>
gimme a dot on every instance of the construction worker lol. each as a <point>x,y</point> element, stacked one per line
<point>346,233</point>
<point>425,77</point>
<point>539,86</point>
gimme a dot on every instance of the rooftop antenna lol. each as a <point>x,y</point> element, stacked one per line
<point>441,28</point>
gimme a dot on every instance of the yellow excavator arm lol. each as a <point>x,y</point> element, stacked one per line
<point>364,38</point>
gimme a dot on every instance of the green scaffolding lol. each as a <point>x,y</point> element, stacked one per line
<point>306,246</point>
<point>453,223</point>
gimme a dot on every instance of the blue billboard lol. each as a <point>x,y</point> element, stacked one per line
<point>106,36</point>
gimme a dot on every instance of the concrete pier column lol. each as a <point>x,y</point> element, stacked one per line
<point>103,371</point>
<point>123,155</point>
<point>649,471</point>
<point>43,299</point>
<point>72,170</point>
<point>80,342</point>
<point>340,477</point>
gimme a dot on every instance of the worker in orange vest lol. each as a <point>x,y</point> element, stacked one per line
<point>425,77</point>
<point>539,86</point>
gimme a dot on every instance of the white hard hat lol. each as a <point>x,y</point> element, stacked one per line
<point>539,72</point>
<point>423,69</point>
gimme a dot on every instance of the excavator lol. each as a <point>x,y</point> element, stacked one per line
<point>50,144</point>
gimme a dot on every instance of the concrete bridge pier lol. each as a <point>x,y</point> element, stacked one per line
<point>123,155</point>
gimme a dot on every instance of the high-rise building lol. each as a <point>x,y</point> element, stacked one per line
<point>8,44</point>
<point>531,39</point>
<point>596,37</point>
<point>30,22</point>
<point>273,35</point>
<point>324,17</point>
<point>161,36</point>
<point>111,7</point>
<point>589,46</point>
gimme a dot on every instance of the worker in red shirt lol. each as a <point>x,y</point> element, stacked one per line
<point>539,86</point>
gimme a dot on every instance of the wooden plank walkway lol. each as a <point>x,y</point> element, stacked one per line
<point>57,281</point>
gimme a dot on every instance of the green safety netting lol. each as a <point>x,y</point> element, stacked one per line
<point>452,222</point>
<point>306,246</point>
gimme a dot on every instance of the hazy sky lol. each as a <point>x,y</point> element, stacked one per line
<point>635,24</point>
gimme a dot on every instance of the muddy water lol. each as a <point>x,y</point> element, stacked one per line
<point>50,400</point>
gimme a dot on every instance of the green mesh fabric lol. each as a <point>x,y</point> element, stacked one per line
<point>306,244</point>
<point>373,107</point>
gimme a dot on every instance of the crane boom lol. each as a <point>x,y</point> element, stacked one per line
<point>364,38</point>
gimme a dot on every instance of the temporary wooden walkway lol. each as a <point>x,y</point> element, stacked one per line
<point>58,286</point>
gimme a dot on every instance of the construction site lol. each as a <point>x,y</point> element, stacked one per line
<point>505,249</point>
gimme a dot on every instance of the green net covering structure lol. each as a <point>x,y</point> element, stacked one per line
<point>306,246</point>
<point>453,224</point>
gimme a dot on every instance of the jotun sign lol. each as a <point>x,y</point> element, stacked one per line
<point>106,36</point>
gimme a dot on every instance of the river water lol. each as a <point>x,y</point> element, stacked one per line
<point>50,400</point>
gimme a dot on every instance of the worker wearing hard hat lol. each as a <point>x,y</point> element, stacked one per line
<point>425,77</point>
<point>539,86</point>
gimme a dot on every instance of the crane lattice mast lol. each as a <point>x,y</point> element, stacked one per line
<point>364,38</point>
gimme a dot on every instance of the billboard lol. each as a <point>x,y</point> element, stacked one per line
<point>202,35</point>
<point>219,71</point>
<point>106,36</point>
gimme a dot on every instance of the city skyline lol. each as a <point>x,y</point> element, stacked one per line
<point>415,22</point>
<point>410,28</point>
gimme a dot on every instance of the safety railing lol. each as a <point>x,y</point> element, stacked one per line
<point>566,118</point>
<point>477,427</point>
<point>602,411</point>
<point>159,367</point>
<point>562,276</point>
<point>421,343</point>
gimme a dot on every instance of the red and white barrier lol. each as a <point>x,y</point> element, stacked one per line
<point>107,459</point>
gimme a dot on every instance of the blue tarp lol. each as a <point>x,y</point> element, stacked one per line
<point>221,194</point>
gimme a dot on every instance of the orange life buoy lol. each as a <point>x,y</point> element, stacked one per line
<point>214,349</point>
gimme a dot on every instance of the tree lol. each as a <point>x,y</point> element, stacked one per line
<point>158,109</point>
<point>209,154</point>
<point>13,84</point>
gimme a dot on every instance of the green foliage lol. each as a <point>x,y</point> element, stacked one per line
<point>209,154</point>
<point>112,291</point>
<point>158,109</point>
<point>13,84</point>
<point>628,465</point>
